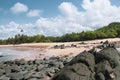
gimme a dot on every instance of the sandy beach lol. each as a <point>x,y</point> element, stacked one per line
<point>46,50</point>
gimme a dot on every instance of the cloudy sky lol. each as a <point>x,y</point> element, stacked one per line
<point>55,17</point>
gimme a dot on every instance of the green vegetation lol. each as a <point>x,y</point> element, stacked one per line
<point>110,31</point>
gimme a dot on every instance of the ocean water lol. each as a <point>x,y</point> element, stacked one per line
<point>11,54</point>
<point>7,54</point>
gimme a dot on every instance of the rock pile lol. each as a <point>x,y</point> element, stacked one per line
<point>91,65</point>
<point>31,70</point>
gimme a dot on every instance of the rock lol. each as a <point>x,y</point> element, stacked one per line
<point>15,68</point>
<point>62,46</point>
<point>79,68</point>
<point>103,65</point>
<point>56,47</point>
<point>109,54</point>
<point>4,78</point>
<point>1,65</point>
<point>49,74</point>
<point>28,75</point>
<point>7,70</point>
<point>1,55</point>
<point>36,75</point>
<point>56,64</point>
<point>42,75</point>
<point>2,72</point>
<point>39,68</point>
<point>85,58</point>
<point>73,45</point>
<point>72,73</point>
<point>24,72</point>
<point>103,70</point>
<point>32,79</point>
<point>15,76</point>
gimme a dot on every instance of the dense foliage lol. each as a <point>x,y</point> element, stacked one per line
<point>110,31</point>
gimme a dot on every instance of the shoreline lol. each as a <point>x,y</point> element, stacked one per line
<point>52,61</point>
<point>47,50</point>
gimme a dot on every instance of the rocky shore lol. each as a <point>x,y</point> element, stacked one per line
<point>42,69</point>
<point>93,65</point>
<point>102,62</point>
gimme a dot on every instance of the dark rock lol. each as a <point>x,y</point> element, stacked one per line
<point>40,67</point>
<point>49,74</point>
<point>73,45</point>
<point>85,58</point>
<point>62,46</point>
<point>15,68</point>
<point>2,72</point>
<point>79,68</point>
<point>56,47</point>
<point>1,65</point>
<point>28,75</point>
<point>16,76</point>
<point>7,70</point>
<point>109,54</point>
<point>32,79</point>
<point>75,72</point>
<point>4,78</point>
<point>104,65</point>
<point>1,56</point>
<point>36,75</point>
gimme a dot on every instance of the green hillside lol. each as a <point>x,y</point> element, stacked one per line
<point>110,31</point>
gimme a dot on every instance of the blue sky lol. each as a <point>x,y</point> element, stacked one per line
<point>55,17</point>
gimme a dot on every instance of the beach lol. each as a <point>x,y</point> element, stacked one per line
<point>30,51</point>
<point>35,61</point>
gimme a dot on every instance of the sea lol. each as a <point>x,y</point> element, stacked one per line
<point>7,54</point>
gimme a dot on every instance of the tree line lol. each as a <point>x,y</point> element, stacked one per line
<point>110,31</point>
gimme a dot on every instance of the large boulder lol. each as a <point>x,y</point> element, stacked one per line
<point>102,65</point>
<point>79,68</point>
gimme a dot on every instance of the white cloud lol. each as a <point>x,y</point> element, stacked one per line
<point>100,12</point>
<point>19,8</point>
<point>34,13</point>
<point>58,26</point>
<point>13,28</point>
<point>68,9</point>
<point>96,14</point>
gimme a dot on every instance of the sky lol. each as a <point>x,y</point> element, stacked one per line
<point>55,17</point>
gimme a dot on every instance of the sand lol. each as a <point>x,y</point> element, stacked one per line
<point>46,50</point>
